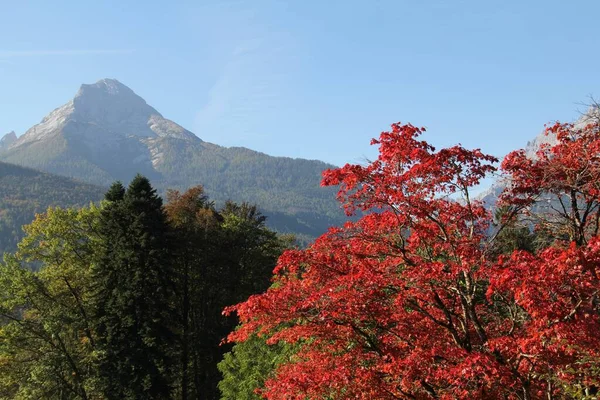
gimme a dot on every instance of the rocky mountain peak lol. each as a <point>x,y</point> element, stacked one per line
<point>8,139</point>
<point>110,91</point>
<point>108,85</point>
<point>109,101</point>
<point>105,111</point>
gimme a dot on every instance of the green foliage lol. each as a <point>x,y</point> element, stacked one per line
<point>116,192</point>
<point>514,234</point>
<point>125,300</point>
<point>132,299</point>
<point>223,257</point>
<point>46,344</point>
<point>246,367</point>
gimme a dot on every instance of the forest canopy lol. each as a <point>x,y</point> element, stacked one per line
<point>424,294</point>
<point>124,300</point>
<point>429,297</point>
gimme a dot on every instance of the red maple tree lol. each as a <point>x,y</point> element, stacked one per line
<point>405,303</point>
<point>559,187</point>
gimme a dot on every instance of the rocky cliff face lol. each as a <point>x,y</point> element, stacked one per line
<point>7,140</point>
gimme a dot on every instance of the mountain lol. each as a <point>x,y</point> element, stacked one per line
<point>7,140</point>
<point>490,195</point>
<point>25,192</point>
<point>107,133</point>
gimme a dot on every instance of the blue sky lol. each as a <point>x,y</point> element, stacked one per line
<point>311,79</point>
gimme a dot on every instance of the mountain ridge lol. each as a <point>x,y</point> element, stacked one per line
<point>106,132</point>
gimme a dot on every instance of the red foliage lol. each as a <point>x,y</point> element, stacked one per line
<point>562,181</point>
<point>394,306</point>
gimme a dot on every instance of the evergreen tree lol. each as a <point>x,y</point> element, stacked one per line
<point>133,293</point>
<point>116,192</point>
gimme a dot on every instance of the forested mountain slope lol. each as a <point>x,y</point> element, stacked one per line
<point>24,192</point>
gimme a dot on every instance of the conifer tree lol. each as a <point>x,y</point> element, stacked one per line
<point>116,192</point>
<point>133,293</point>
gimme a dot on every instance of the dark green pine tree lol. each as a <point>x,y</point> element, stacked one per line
<point>116,192</point>
<point>133,295</point>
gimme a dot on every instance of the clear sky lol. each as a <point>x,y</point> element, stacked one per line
<point>311,78</point>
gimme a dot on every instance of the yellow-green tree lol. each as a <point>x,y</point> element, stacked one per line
<point>46,344</point>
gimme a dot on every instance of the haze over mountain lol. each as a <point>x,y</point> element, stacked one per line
<point>491,194</point>
<point>107,133</point>
<point>8,139</point>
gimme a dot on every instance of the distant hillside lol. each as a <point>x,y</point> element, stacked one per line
<point>24,192</point>
<point>107,132</point>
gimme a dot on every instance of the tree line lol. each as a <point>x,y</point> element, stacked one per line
<point>124,300</point>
